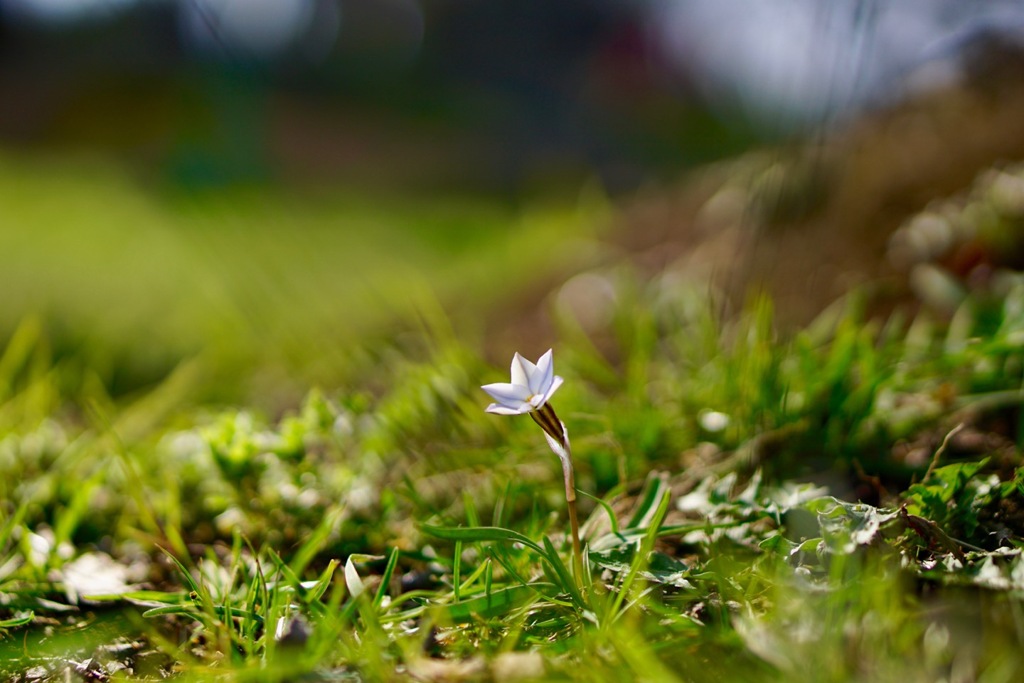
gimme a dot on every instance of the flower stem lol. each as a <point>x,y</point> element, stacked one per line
<point>558,439</point>
<point>577,554</point>
<point>570,500</point>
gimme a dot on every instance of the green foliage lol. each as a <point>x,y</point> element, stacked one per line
<point>847,500</point>
<point>271,290</point>
<point>731,561</point>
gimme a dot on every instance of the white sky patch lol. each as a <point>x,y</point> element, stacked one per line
<point>806,60</point>
<point>58,11</point>
<point>260,28</point>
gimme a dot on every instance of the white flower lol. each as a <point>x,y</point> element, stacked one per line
<point>531,387</point>
<point>528,393</point>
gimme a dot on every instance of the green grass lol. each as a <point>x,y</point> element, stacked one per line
<point>272,286</point>
<point>852,512</point>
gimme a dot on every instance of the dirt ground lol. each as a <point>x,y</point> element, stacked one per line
<point>806,221</point>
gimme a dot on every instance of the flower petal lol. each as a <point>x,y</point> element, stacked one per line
<point>507,394</point>
<point>522,370</point>
<point>540,381</point>
<point>508,410</point>
<point>556,382</point>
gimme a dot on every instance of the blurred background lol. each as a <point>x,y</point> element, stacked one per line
<point>265,183</point>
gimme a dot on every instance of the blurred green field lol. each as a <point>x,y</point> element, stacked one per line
<point>257,280</point>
